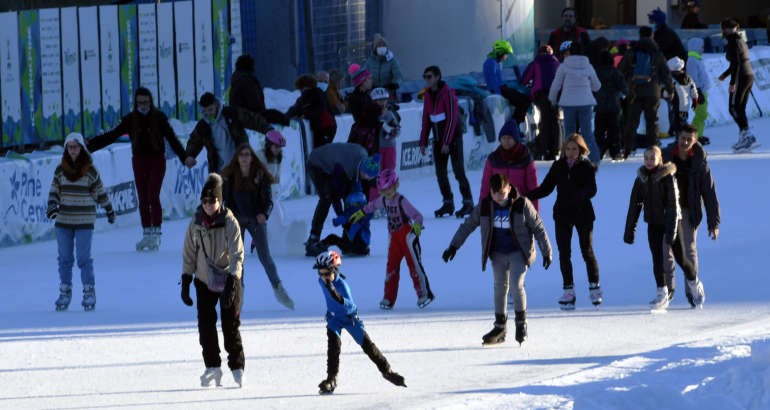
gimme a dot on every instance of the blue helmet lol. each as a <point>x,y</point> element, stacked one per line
<point>356,198</point>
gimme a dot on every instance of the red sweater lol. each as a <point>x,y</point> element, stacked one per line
<point>439,111</point>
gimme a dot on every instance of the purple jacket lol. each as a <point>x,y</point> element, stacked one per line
<point>541,72</point>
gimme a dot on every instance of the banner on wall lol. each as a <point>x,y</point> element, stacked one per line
<point>70,71</point>
<point>518,27</point>
<point>10,81</point>
<point>31,98</point>
<point>148,50</point>
<point>204,50</point>
<point>222,56</point>
<point>129,75</point>
<point>110,66</point>
<point>50,65</point>
<point>236,38</point>
<point>185,78</point>
<point>90,78</point>
<point>166,78</point>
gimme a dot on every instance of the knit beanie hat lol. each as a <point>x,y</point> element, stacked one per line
<point>510,128</point>
<point>675,64</point>
<point>657,16</point>
<point>358,74</point>
<point>77,137</point>
<point>213,187</point>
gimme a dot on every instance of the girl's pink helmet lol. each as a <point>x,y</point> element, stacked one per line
<point>387,179</point>
<point>276,138</point>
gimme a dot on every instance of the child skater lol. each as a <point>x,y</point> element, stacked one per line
<point>685,95</point>
<point>655,188</point>
<point>405,226</point>
<point>355,236</point>
<point>389,128</point>
<point>509,227</point>
<point>342,313</point>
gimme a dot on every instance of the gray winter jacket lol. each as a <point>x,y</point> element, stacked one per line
<point>385,70</point>
<point>526,227</point>
<point>221,242</point>
<point>348,156</point>
<point>702,191</point>
<point>658,193</point>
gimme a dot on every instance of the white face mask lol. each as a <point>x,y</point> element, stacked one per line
<point>143,111</point>
<point>382,50</point>
<point>323,86</point>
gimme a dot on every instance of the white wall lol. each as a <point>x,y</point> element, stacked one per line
<point>456,35</point>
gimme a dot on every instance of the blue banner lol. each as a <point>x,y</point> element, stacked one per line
<point>129,78</point>
<point>31,88</point>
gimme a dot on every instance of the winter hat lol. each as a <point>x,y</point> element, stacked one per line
<point>370,166</point>
<point>510,128</point>
<point>622,42</point>
<point>695,44</point>
<point>213,187</point>
<point>675,64</point>
<point>657,16</point>
<point>358,74</point>
<point>77,137</point>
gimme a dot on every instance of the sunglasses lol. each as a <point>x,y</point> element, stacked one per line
<point>209,201</point>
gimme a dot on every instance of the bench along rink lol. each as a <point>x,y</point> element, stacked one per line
<point>139,348</point>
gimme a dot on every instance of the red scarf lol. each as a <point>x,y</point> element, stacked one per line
<point>514,154</point>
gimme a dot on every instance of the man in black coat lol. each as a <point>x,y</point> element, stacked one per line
<point>245,90</point>
<point>696,190</point>
<point>690,20</point>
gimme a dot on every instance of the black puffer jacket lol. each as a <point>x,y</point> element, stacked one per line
<point>655,190</point>
<point>246,92</point>
<point>146,132</point>
<point>701,190</point>
<point>669,43</point>
<point>737,53</point>
<point>574,189</point>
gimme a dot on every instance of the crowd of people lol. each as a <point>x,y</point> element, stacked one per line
<point>593,84</point>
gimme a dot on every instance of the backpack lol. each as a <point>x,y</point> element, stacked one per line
<point>642,73</point>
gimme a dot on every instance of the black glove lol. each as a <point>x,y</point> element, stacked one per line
<point>186,280</point>
<point>669,239</point>
<point>111,216</point>
<point>701,97</point>
<point>449,254</point>
<point>547,259</point>
<point>333,292</point>
<point>52,213</point>
<point>229,297</point>
<point>628,238</point>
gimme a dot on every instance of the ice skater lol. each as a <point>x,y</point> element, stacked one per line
<point>741,80</point>
<point>404,226</point>
<point>342,313</point>
<point>509,227</point>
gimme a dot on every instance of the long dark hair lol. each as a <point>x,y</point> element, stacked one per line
<point>77,169</point>
<point>269,153</point>
<point>146,92</point>
<point>258,173</point>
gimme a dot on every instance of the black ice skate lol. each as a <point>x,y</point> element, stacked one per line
<point>89,298</point>
<point>465,210</point>
<point>497,334</point>
<point>327,386</point>
<point>394,378</point>
<point>314,247</point>
<point>521,327</point>
<point>65,296</point>
<point>448,208</point>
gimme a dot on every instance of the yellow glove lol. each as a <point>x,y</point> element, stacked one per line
<point>356,216</point>
<point>416,228</point>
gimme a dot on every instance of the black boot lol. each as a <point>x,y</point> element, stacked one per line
<point>333,349</point>
<point>497,334</point>
<point>448,208</point>
<point>314,247</point>
<point>466,209</point>
<point>521,327</point>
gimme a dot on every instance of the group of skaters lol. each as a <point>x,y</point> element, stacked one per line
<point>358,179</point>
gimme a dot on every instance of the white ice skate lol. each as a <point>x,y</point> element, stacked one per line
<point>697,295</point>
<point>660,303</point>
<point>238,377</point>
<point>211,374</point>
<point>567,300</point>
<point>283,297</point>
<point>595,293</point>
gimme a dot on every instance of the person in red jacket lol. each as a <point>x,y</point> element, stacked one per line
<point>439,114</point>
<point>568,32</point>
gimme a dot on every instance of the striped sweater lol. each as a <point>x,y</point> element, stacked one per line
<point>76,200</point>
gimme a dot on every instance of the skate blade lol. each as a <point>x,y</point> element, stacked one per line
<point>89,308</point>
<point>61,308</point>
<point>659,311</point>
<point>492,344</point>
<point>567,307</point>
<point>325,393</point>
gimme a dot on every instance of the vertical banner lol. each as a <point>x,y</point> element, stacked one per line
<point>31,104</point>
<point>166,73</point>
<point>236,47</point>
<point>110,66</point>
<point>90,78</point>
<point>129,75</point>
<point>518,27</point>
<point>185,60</point>
<point>148,50</point>
<point>70,71</point>
<point>204,52</point>
<point>222,57</point>
<point>50,63</point>
<point>10,81</point>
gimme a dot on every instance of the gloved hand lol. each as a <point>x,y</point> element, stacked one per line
<point>547,259</point>
<point>52,213</point>
<point>186,280</point>
<point>417,228</point>
<point>449,254</point>
<point>111,216</point>
<point>356,216</point>
<point>628,238</point>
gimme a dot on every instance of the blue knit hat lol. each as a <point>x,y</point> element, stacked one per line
<point>370,166</point>
<point>657,16</point>
<point>511,127</point>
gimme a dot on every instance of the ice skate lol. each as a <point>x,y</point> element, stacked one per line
<point>697,295</point>
<point>211,374</point>
<point>314,247</point>
<point>465,210</point>
<point>448,208</point>
<point>89,298</point>
<point>65,297</point>
<point>521,327</point>
<point>394,378</point>
<point>238,377</point>
<point>154,243</point>
<point>497,334</point>
<point>386,304</point>
<point>283,297</point>
<point>327,386</point>
<point>595,292</point>
<point>660,303</point>
<point>567,300</point>
<point>747,144</point>
<point>425,301</point>
<point>142,245</point>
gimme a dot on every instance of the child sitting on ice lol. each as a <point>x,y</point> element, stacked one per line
<point>404,225</point>
<point>342,313</point>
<point>355,236</point>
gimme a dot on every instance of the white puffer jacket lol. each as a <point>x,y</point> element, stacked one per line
<point>577,81</point>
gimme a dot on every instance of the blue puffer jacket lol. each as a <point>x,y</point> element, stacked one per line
<point>334,308</point>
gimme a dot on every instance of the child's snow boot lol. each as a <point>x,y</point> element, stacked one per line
<point>497,334</point>
<point>521,326</point>
<point>65,296</point>
<point>448,208</point>
<point>89,298</point>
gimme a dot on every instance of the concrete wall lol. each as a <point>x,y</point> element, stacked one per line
<point>437,32</point>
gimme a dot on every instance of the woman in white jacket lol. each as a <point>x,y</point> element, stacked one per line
<point>577,81</point>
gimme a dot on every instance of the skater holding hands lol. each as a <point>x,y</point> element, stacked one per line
<point>342,313</point>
